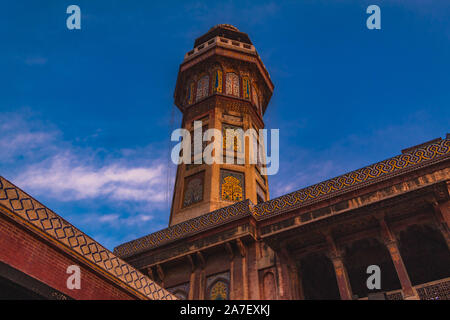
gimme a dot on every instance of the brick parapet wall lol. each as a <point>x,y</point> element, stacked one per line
<point>25,252</point>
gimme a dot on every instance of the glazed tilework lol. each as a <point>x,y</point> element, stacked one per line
<point>20,204</point>
<point>357,178</point>
<point>415,159</point>
<point>246,87</point>
<point>218,286</point>
<point>232,185</point>
<point>218,81</point>
<point>178,231</point>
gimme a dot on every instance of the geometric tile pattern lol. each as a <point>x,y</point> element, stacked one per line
<point>357,178</point>
<point>386,169</point>
<point>439,290</point>
<point>31,212</point>
<point>189,227</point>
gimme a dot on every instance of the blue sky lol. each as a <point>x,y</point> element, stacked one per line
<point>86,116</point>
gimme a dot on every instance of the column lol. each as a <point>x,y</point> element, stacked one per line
<point>299,281</point>
<point>345,289</point>
<point>288,275</point>
<point>230,251</point>
<point>243,252</point>
<point>297,290</point>
<point>440,221</point>
<point>202,278</point>
<point>409,293</point>
<point>192,278</point>
<point>342,279</point>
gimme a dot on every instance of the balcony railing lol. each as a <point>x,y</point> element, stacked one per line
<point>435,290</point>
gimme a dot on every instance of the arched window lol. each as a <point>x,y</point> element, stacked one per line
<point>218,81</point>
<point>202,88</point>
<point>232,84</point>
<point>246,87</point>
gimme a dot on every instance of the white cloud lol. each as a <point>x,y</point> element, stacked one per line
<point>38,160</point>
<point>116,220</point>
<point>20,136</point>
<point>67,177</point>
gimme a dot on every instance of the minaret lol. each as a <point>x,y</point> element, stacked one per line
<point>223,83</point>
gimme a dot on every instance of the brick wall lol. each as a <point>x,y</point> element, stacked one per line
<point>38,259</point>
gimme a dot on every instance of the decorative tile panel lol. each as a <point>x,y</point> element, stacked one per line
<point>232,186</point>
<point>190,93</point>
<point>246,87</point>
<point>193,189</point>
<point>218,81</point>
<point>236,143</point>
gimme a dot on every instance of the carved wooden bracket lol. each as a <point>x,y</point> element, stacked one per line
<point>386,234</point>
<point>333,250</point>
<point>241,247</point>
<point>230,250</point>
